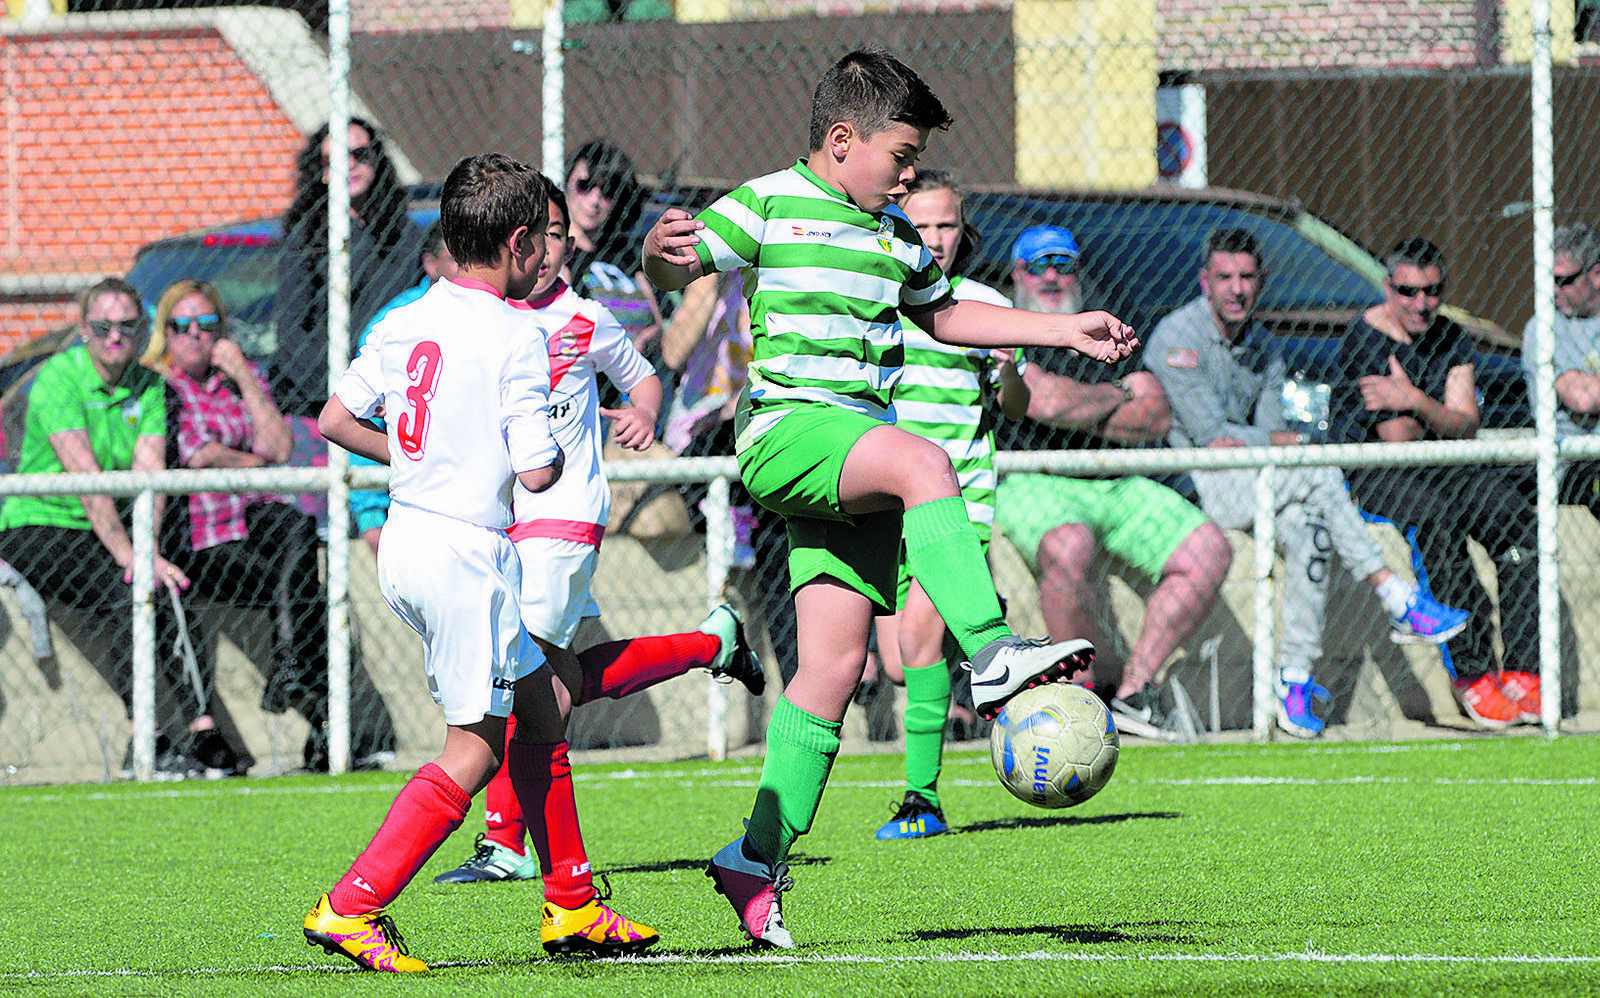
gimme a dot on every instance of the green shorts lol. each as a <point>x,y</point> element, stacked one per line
<point>1133,518</point>
<point>793,469</point>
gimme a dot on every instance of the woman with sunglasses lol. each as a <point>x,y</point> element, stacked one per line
<point>250,550</point>
<point>605,199</point>
<point>385,250</point>
<point>94,408</point>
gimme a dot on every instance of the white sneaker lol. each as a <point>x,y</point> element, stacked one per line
<point>1007,666</point>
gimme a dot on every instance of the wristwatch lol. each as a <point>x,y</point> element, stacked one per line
<point>1127,393</point>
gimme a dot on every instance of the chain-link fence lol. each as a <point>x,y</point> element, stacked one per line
<point>173,141</point>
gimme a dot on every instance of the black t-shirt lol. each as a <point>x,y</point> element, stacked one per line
<point>1427,362</point>
<point>1026,434</point>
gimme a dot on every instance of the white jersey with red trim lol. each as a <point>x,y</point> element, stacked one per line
<point>585,340</point>
<point>464,380</point>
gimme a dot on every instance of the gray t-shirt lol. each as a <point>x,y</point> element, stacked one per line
<point>1577,349</point>
<point>1217,388</point>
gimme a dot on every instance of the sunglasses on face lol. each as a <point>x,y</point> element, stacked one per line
<point>129,328</point>
<point>584,185</point>
<point>1565,280</point>
<point>364,155</point>
<point>207,324</point>
<point>1066,266</point>
<point>1413,290</point>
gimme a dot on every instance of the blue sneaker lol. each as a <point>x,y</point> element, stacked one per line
<point>917,818</point>
<point>1295,715</point>
<point>1427,621</point>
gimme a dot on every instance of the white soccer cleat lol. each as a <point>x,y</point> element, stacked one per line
<point>1007,666</point>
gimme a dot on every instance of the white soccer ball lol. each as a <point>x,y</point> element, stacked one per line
<point>1054,745</point>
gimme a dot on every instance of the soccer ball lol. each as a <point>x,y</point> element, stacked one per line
<point>1054,745</point>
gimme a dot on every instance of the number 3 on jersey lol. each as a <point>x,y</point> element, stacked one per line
<point>411,429</point>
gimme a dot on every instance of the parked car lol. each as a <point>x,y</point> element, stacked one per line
<point>1141,254</point>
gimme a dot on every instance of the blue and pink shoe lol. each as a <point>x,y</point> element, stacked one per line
<point>755,889</point>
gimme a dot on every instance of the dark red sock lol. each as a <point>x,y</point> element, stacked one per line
<point>618,668</point>
<point>502,810</point>
<point>542,775</point>
<point>424,813</point>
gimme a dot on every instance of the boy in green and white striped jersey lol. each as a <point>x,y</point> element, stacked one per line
<point>942,396</point>
<point>831,265</point>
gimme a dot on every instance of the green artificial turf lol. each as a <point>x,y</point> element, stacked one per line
<point>1448,868</point>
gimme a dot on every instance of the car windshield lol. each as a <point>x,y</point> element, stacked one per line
<point>242,267</point>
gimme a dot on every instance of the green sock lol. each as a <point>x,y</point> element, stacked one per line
<point>927,708</point>
<point>947,559</point>
<point>800,751</point>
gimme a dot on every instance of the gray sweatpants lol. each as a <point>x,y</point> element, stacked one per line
<point>1315,517</point>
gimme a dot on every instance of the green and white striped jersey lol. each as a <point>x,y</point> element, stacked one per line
<point>827,282</point>
<point>940,396</point>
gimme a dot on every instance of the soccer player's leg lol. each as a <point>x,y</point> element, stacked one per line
<point>886,467</point>
<point>500,852</point>
<point>802,741</point>
<point>576,917</point>
<point>920,637</point>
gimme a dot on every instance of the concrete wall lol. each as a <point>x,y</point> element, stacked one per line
<point>60,720</point>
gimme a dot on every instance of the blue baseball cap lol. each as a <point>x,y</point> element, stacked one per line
<point>1044,240</point>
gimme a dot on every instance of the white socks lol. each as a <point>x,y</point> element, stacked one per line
<point>1396,595</point>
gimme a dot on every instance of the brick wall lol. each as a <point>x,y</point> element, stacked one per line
<point>122,139</point>
<point>1201,35</point>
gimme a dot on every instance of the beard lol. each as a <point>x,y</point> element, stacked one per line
<point>1070,301</point>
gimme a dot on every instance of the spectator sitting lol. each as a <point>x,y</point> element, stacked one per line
<point>1577,355</point>
<point>370,507</point>
<point>606,199</point>
<point>94,408</point>
<point>384,249</point>
<point>1223,374</point>
<point>1406,373</point>
<point>1060,524</point>
<point>246,549</point>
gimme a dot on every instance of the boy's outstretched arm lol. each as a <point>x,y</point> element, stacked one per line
<point>338,424</point>
<point>1100,335</point>
<point>669,257</point>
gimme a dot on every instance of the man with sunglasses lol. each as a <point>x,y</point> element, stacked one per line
<point>1406,373</point>
<point>1065,527</point>
<point>1224,373</point>
<point>1577,355</point>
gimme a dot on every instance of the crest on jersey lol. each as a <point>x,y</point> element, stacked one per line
<point>885,230</point>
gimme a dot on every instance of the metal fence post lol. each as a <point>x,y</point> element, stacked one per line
<point>1544,400</point>
<point>1261,659</point>
<point>144,636</point>
<point>719,556</point>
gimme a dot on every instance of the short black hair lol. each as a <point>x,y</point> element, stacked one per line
<point>1230,240</point>
<point>485,199</point>
<point>971,239</point>
<point>433,242</point>
<point>1413,251</point>
<point>871,89</point>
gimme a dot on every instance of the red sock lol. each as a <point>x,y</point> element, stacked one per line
<point>502,810</point>
<point>618,668</point>
<point>424,813</point>
<point>543,778</point>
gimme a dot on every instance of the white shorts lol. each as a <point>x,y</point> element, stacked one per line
<point>456,585</point>
<point>555,587</point>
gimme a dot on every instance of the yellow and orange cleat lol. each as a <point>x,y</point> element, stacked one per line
<point>593,929</point>
<point>371,940</point>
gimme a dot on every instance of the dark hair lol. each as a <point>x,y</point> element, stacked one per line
<point>558,197</point>
<point>110,286</point>
<point>485,199</point>
<point>383,209</point>
<point>871,89</point>
<point>971,239</point>
<point>1413,251</point>
<point>1230,241</point>
<point>1580,242</point>
<point>610,168</point>
<point>433,242</point>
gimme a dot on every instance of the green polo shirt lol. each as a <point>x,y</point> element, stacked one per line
<point>69,395</point>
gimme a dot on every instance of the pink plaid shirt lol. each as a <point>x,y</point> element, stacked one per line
<point>207,413</point>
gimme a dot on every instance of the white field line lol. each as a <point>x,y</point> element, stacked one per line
<point>213,791</point>
<point>838,959</point>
